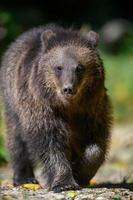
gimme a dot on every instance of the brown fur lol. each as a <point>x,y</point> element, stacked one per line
<point>70,135</point>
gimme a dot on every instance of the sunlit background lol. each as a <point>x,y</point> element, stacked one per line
<point>113,20</point>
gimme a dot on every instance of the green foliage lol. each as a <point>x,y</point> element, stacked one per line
<point>116,198</point>
<point>8,21</point>
<point>119,82</point>
<point>10,28</point>
<point>3,153</point>
<point>3,156</point>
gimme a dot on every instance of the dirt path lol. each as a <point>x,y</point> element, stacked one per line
<point>114,179</point>
<point>84,194</point>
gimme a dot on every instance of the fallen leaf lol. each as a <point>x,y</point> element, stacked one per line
<point>31,186</point>
<point>93,182</point>
<point>71,193</point>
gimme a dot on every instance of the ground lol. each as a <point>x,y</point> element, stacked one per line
<point>114,180</point>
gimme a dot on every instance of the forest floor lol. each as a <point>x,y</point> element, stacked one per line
<point>114,180</point>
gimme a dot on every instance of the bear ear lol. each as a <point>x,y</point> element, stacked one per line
<point>46,36</point>
<point>92,38</point>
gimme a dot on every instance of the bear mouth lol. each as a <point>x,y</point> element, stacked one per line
<point>66,97</point>
<point>69,96</point>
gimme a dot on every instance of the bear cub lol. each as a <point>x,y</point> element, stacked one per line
<point>56,107</point>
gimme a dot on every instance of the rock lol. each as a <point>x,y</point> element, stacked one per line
<point>53,196</point>
<point>85,197</point>
<point>101,198</point>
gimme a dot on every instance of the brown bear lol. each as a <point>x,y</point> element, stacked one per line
<point>56,107</point>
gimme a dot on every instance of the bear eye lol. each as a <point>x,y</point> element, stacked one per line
<point>58,70</point>
<point>79,69</point>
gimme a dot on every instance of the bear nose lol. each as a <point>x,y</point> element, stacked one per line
<point>67,89</point>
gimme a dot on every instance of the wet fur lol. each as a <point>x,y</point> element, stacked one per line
<point>71,139</point>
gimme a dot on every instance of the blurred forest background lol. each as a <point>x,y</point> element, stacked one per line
<point>112,19</point>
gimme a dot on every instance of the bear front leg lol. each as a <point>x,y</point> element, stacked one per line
<point>51,145</point>
<point>85,167</point>
<point>59,172</point>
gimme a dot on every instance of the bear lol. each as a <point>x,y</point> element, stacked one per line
<point>57,109</point>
